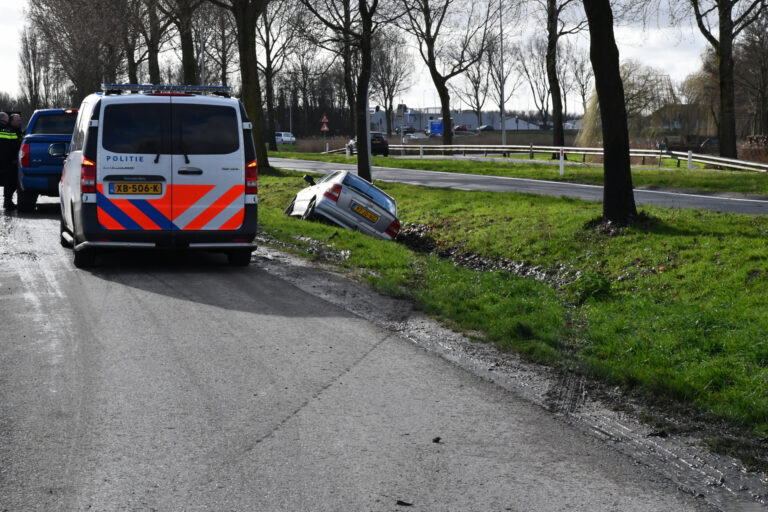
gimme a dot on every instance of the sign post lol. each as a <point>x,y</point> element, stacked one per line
<point>324,129</point>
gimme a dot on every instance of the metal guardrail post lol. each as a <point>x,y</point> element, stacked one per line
<point>562,161</point>
<point>690,160</point>
<point>531,150</point>
<point>347,148</point>
<point>421,151</point>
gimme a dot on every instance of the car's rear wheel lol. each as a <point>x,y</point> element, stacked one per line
<point>309,213</point>
<point>27,201</point>
<point>239,258</point>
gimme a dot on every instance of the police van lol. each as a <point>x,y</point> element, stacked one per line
<point>159,167</point>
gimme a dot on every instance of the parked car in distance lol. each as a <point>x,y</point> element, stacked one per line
<point>485,128</point>
<point>39,173</point>
<point>406,129</point>
<point>349,201</point>
<point>379,145</point>
<point>460,128</point>
<point>285,138</point>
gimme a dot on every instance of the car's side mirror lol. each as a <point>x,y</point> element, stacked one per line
<point>58,150</point>
<point>309,179</point>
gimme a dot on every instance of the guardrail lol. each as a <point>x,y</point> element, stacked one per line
<point>531,150</point>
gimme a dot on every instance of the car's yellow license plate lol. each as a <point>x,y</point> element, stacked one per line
<point>364,212</point>
<point>136,188</point>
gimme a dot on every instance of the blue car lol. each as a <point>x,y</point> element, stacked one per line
<point>40,173</point>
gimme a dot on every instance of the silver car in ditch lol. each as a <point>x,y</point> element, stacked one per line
<point>349,201</point>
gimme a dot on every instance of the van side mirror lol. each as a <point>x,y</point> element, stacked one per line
<point>309,179</point>
<point>57,150</point>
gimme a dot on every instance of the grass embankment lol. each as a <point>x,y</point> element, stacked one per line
<point>707,180</point>
<point>674,306</point>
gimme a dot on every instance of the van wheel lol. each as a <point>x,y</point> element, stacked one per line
<point>309,213</point>
<point>239,258</point>
<point>85,258</point>
<point>27,201</point>
<point>62,230</point>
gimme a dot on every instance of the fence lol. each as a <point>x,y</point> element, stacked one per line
<point>531,150</point>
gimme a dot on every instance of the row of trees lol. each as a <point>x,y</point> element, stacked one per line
<point>334,53</point>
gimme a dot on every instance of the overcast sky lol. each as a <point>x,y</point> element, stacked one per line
<point>676,51</point>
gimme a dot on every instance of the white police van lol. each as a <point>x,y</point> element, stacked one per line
<point>153,166</point>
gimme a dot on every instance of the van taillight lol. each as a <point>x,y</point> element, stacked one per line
<point>333,193</point>
<point>24,155</point>
<point>88,177</point>
<point>393,228</point>
<point>252,178</point>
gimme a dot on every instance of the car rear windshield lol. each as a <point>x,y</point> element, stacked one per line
<point>146,128</point>
<point>62,124</point>
<point>137,128</point>
<point>371,191</point>
<point>205,129</point>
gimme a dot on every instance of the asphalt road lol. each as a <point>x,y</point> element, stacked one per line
<point>174,382</point>
<point>549,188</point>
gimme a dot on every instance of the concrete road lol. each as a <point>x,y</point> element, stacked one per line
<point>459,181</point>
<point>173,382</point>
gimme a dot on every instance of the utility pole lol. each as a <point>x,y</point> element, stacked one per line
<point>501,74</point>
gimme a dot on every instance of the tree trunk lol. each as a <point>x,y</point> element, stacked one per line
<point>270,85</point>
<point>618,196</point>
<point>245,17</point>
<point>153,44</point>
<point>558,138</point>
<point>727,128</point>
<point>188,63</point>
<point>349,86</point>
<point>362,128</point>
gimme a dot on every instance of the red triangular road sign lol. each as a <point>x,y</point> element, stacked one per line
<point>324,128</point>
<point>324,120</point>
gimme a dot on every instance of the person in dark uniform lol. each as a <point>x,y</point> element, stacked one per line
<point>10,142</point>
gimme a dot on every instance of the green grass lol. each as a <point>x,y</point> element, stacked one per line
<point>672,307</point>
<point>667,177</point>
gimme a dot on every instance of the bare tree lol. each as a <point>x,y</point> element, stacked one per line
<point>182,13</point>
<point>32,66</point>
<point>278,30</point>
<point>618,195</point>
<point>446,48</point>
<point>246,14</point>
<point>369,18</point>
<point>581,71</point>
<point>752,72</point>
<point>87,57</point>
<point>221,47</point>
<point>392,70</point>
<point>474,87</point>
<point>505,77</point>
<point>721,22</point>
<point>563,17</point>
<point>531,62</point>
<point>564,75</point>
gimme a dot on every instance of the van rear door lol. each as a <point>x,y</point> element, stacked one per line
<point>134,180</point>
<point>208,165</point>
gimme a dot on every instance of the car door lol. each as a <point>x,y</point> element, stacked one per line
<point>133,169</point>
<point>208,164</point>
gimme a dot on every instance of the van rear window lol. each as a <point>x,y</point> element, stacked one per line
<point>62,124</point>
<point>137,128</point>
<point>205,129</point>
